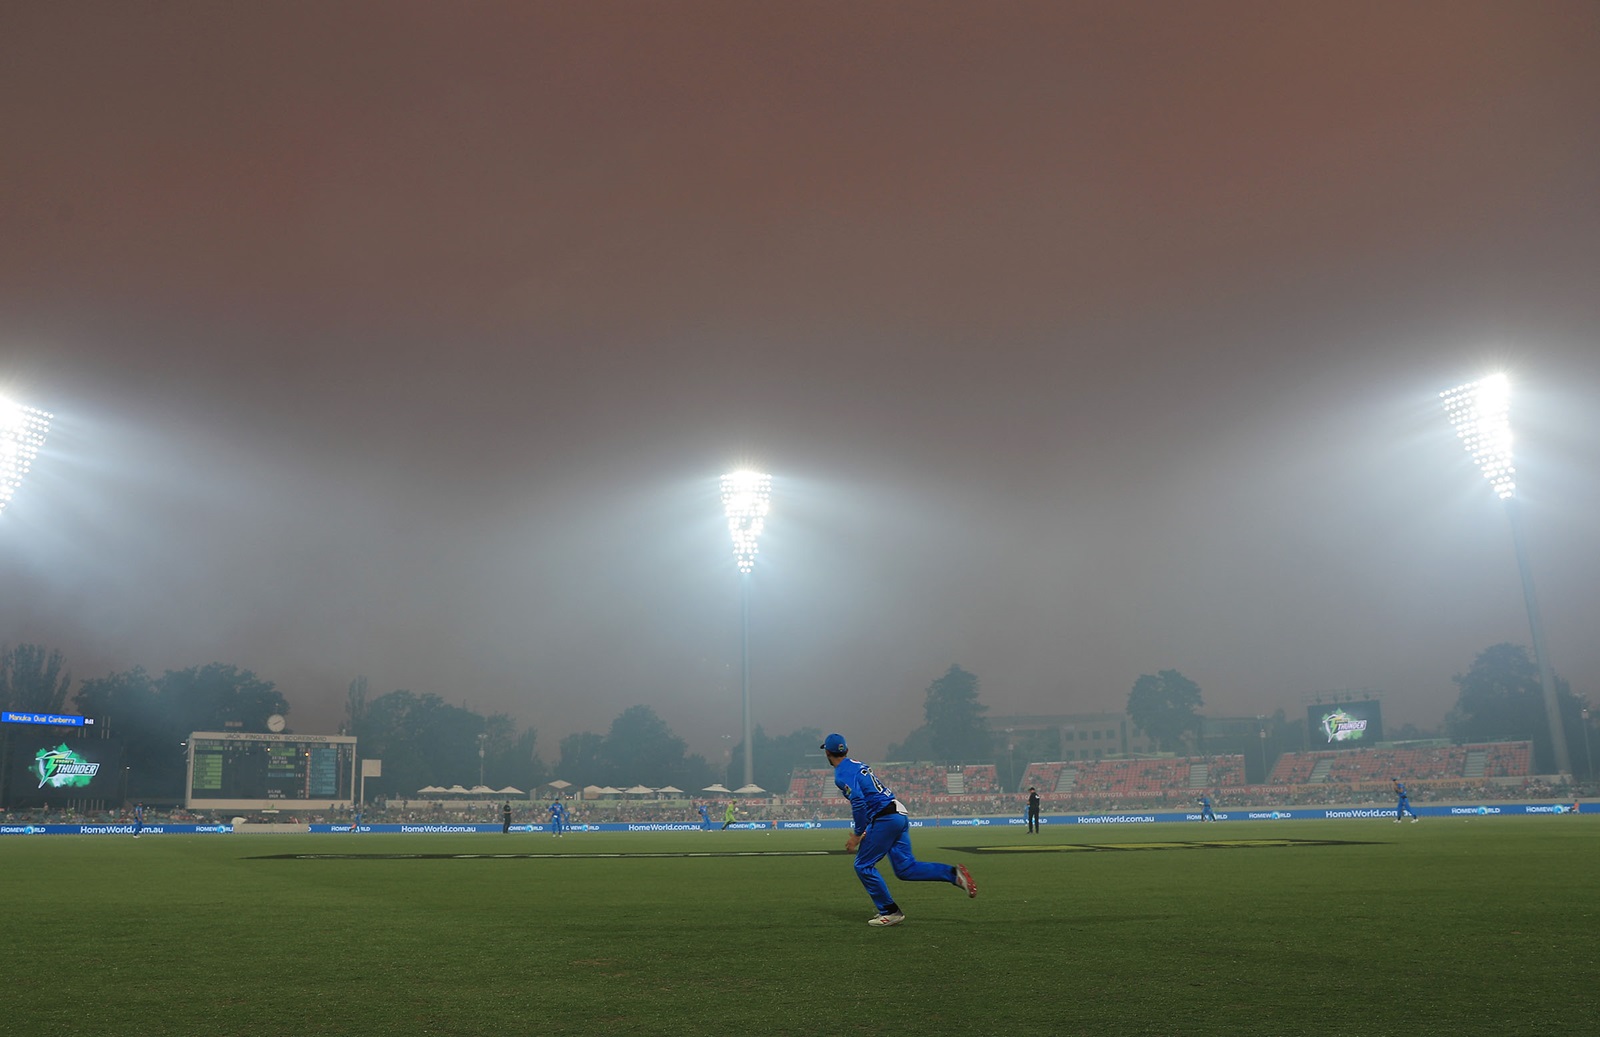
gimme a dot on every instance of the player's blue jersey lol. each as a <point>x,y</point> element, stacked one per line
<point>705,815</point>
<point>867,795</point>
<point>558,812</point>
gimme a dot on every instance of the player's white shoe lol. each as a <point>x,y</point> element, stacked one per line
<point>892,918</point>
<point>964,880</point>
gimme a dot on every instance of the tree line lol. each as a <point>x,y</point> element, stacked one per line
<point>424,740</point>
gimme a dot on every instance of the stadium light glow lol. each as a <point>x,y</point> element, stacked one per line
<point>1481,414</point>
<point>746,499</point>
<point>22,432</point>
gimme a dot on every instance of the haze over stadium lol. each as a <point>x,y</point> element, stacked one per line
<point>1080,341</point>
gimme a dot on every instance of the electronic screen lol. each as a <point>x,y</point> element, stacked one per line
<point>50,766</point>
<point>1345,725</point>
<point>261,770</point>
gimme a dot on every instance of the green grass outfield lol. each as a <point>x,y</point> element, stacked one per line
<point>1480,926</point>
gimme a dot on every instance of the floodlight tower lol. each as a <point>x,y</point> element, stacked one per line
<point>746,499</point>
<point>22,432</point>
<point>1480,412</point>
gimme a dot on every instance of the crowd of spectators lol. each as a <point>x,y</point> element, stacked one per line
<point>1420,763</point>
<point>789,809</point>
<point>1358,777</point>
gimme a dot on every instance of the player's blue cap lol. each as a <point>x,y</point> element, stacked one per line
<point>834,744</point>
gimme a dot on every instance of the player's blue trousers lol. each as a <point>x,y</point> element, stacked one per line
<point>890,836</point>
<point>1403,807</point>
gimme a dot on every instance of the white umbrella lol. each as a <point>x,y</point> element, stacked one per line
<point>511,790</point>
<point>748,790</point>
<point>719,787</point>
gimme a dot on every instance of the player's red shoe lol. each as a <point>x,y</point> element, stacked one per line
<point>964,880</point>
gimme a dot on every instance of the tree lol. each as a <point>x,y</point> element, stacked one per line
<point>216,696</point>
<point>154,718</point>
<point>581,758</point>
<point>956,728</point>
<point>32,680</point>
<point>1501,699</point>
<point>776,758</point>
<point>917,746</point>
<point>639,749</point>
<point>125,707</point>
<point>422,740</point>
<point>1163,707</point>
<point>519,764</point>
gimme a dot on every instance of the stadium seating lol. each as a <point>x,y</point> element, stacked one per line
<point>1508,759</point>
<point>1427,763</point>
<point>1318,776</point>
<point>1042,776</point>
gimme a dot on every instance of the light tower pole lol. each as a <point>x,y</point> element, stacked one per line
<point>746,499</point>
<point>22,432</point>
<point>1588,754</point>
<point>1480,412</point>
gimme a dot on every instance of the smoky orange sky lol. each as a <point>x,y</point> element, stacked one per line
<point>1082,340</point>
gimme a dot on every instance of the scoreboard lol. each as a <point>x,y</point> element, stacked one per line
<point>237,771</point>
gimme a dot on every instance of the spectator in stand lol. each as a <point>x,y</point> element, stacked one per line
<point>1033,810</point>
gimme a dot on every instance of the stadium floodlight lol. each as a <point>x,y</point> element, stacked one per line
<point>746,499</point>
<point>22,432</point>
<point>1481,414</point>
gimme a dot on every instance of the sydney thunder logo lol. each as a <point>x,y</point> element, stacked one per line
<point>62,768</point>
<point>1340,726</point>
